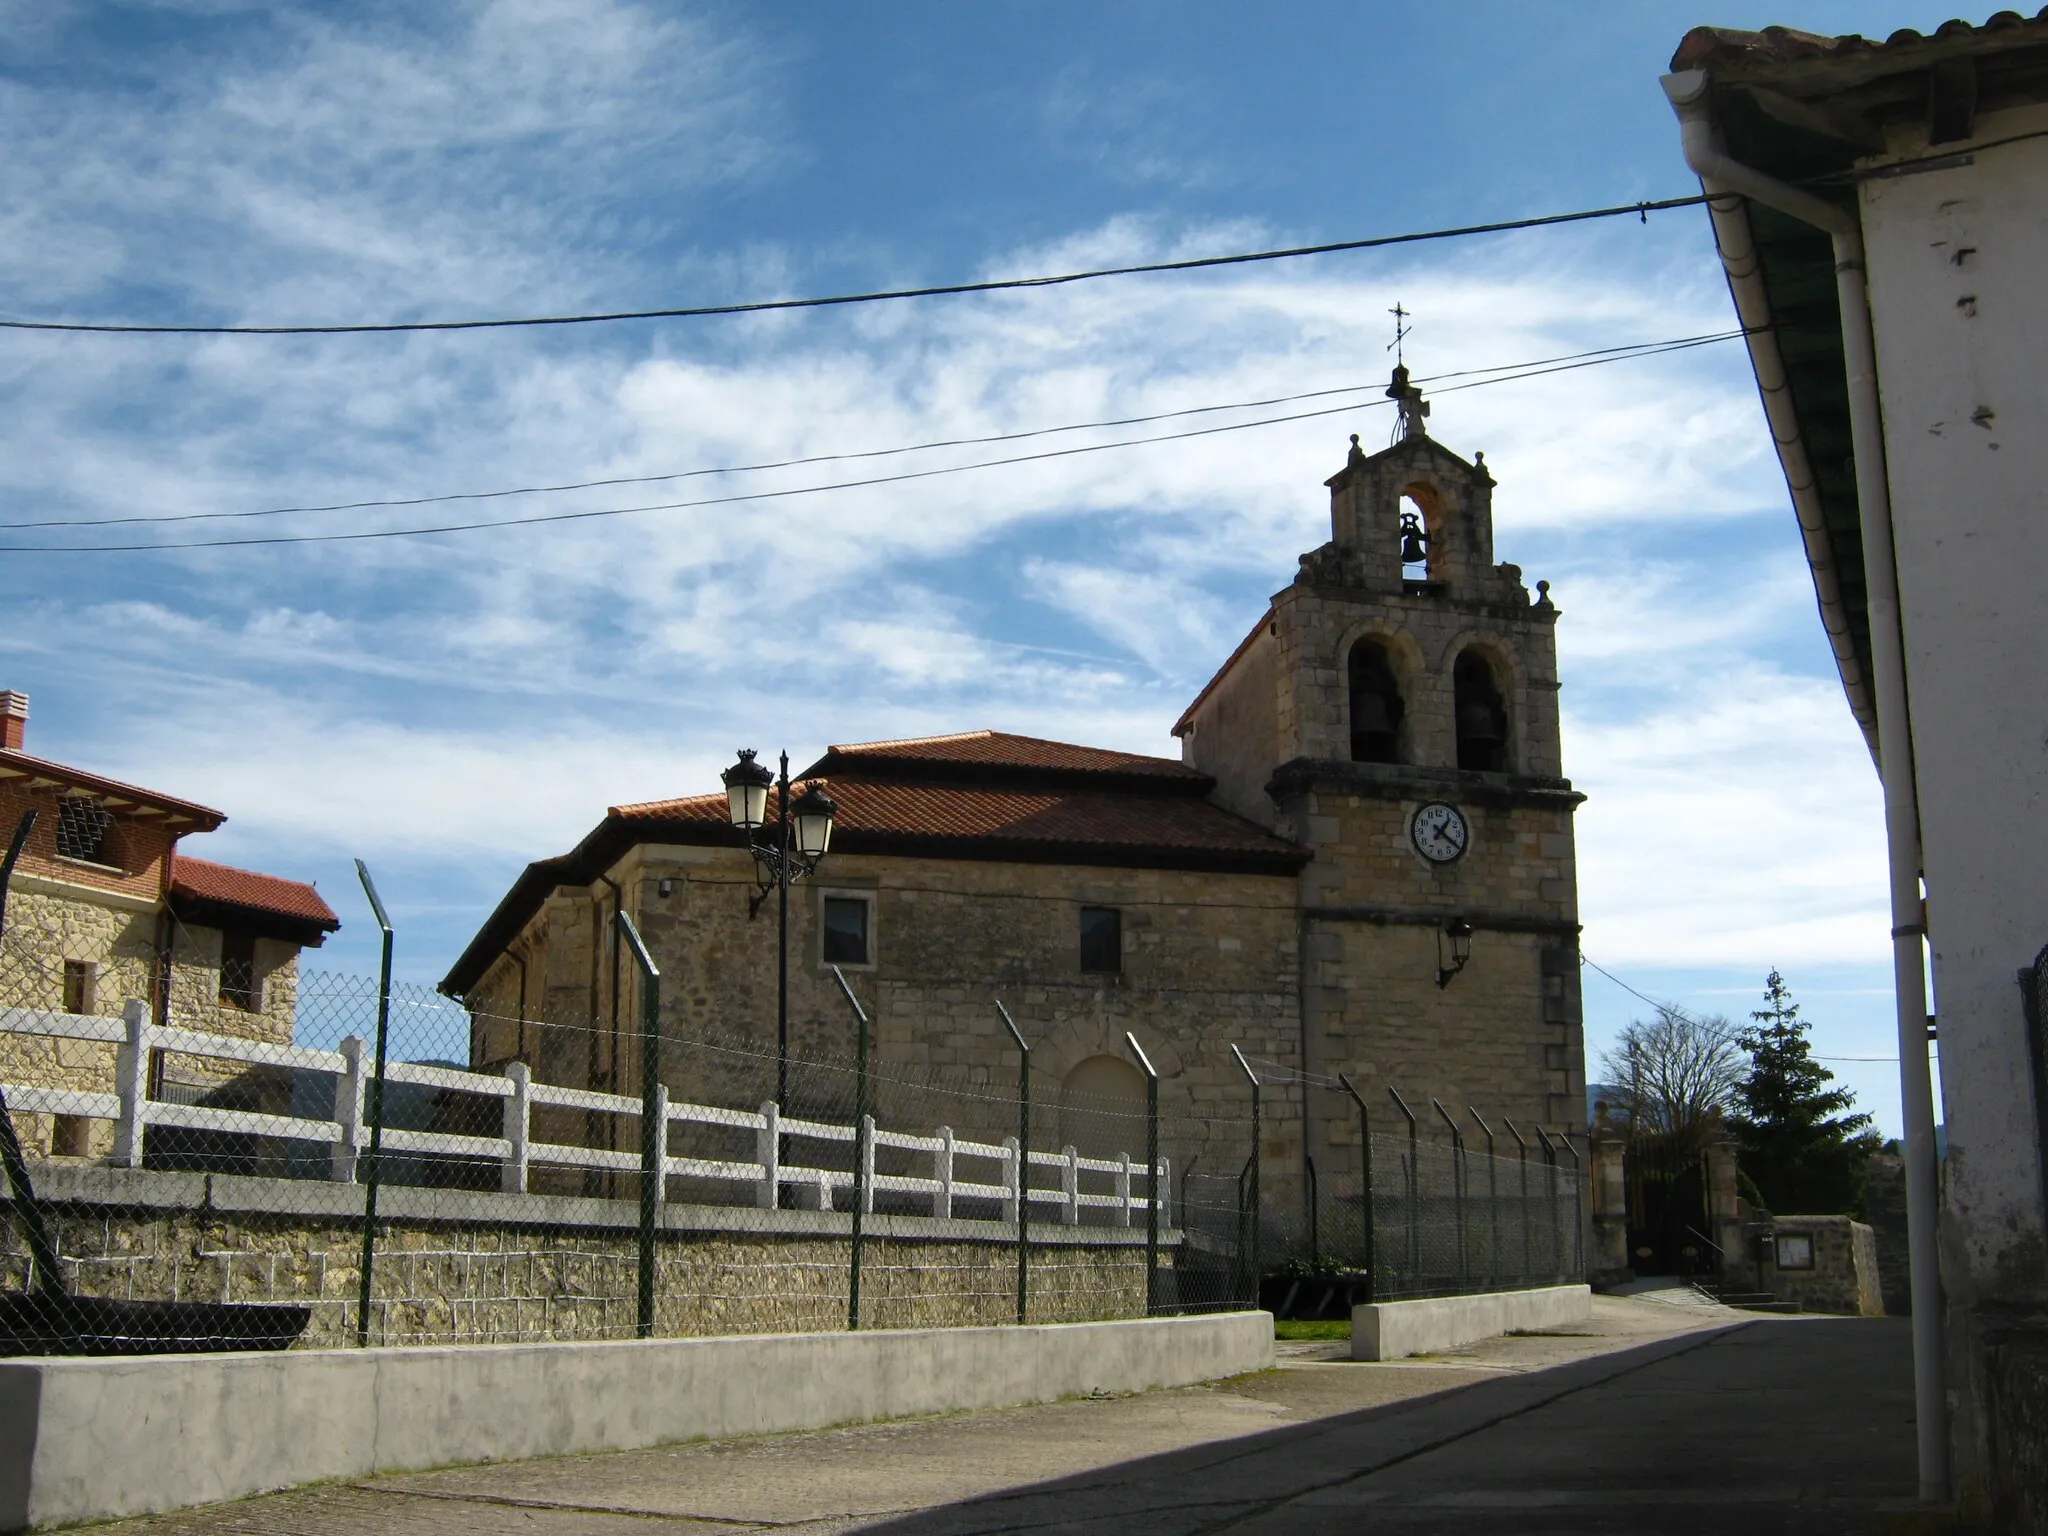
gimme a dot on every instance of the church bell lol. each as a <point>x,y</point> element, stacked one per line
<point>1412,542</point>
<point>1478,724</point>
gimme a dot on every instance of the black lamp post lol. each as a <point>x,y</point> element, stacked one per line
<point>1459,933</point>
<point>784,853</point>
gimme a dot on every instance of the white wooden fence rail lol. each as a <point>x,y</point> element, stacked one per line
<point>516,1152</point>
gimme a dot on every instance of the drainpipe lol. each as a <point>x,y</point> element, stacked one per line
<point>1719,173</point>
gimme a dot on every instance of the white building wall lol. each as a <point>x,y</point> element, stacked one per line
<point>1959,290</point>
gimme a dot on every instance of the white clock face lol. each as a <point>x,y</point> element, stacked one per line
<point>1440,832</point>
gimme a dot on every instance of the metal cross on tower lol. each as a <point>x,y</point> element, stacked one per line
<point>1401,330</point>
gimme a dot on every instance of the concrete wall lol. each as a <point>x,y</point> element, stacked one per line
<point>1955,263</point>
<point>1393,1330</point>
<point>98,1439</point>
<point>1955,257</point>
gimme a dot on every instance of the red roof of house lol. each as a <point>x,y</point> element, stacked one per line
<point>1720,47</point>
<point>19,765</point>
<point>223,885</point>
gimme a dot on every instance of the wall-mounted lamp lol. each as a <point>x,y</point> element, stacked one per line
<point>1449,963</point>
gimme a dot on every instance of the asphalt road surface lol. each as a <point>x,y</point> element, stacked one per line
<point>1660,1416</point>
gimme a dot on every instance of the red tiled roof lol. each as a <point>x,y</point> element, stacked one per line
<point>1056,818</point>
<point>984,795</point>
<point>1001,749</point>
<point>202,880</point>
<point>1719,48</point>
<point>19,765</point>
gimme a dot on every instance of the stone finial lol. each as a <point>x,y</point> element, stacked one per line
<point>1543,595</point>
<point>1357,454</point>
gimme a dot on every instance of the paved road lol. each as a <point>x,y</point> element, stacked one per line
<point>1657,1418</point>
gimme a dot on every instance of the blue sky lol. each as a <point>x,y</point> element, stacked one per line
<point>450,707</point>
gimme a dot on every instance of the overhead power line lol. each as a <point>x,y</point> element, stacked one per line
<point>1501,377</point>
<point>1654,1003</point>
<point>1616,353</point>
<point>997,285</point>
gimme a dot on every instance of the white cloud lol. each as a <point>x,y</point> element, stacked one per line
<point>480,698</point>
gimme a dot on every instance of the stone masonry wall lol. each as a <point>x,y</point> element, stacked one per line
<point>50,923</point>
<point>1844,1277</point>
<point>1210,960</point>
<point>472,1268</point>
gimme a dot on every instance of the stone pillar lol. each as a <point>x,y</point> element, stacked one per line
<point>1607,1264</point>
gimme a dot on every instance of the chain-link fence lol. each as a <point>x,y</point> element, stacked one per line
<point>213,1150</point>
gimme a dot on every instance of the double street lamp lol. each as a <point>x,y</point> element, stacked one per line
<point>785,852</point>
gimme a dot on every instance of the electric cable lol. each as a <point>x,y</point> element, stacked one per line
<point>832,458</point>
<point>812,490</point>
<point>996,285</point>
<point>1585,959</point>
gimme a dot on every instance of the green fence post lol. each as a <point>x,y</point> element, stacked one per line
<point>1250,1241</point>
<point>1556,1244</point>
<point>1528,1256</point>
<point>1414,1244</point>
<point>1492,1203</point>
<point>653,1120</point>
<point>1578,1221</point>
<point>371,1157</point>
<point>862,1147</point>
<point>1151,1175</point>
<point>1023,1161</point>
<point>1458,1182</point>
<point>1372,1255</point>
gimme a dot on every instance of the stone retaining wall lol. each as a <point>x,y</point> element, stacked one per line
<point>465,1267</point>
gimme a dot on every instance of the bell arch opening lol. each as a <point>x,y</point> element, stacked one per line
<point>1377,709</point>
<point>1480,714</point>
<point>1418,534</point>
<point>1102,1108</point>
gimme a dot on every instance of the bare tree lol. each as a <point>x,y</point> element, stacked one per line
<point>1674,1075</point>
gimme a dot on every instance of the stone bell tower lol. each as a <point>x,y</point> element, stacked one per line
<point>1396,710</point>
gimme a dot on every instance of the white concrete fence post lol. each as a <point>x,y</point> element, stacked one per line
<point>768,1153</point>
<point>1123,1189</point>
<point>867,1165</point>
<point>1162,1191</point>
<point>661,1142</point>
<point>518,1127</point>
<point>942,1197</point>
<point>1013,1186</point>
<point>131,1069</point>
<point>1070,1186</point>
<point>351,1085</point>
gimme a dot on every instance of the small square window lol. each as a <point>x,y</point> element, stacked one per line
<point>78,986</point>
<point>1102,939</point>
<point>240,986</point>
<point>846,930</point>
<point>82,828</point>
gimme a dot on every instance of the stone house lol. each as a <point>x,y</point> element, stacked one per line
<point>104,907</point>
<point>1370,783</point>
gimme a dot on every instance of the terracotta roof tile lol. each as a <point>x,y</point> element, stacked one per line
<point>1723,48</point>
<point>1002,749</point>
<point>202,880</point>
<point>1077,818</point>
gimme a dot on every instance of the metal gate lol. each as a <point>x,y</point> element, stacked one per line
<point>1668,1220</point>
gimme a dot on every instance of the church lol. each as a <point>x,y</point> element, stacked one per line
<point>1362,863</point>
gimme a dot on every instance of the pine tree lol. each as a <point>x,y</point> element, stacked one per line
<point>1793,1137</point>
